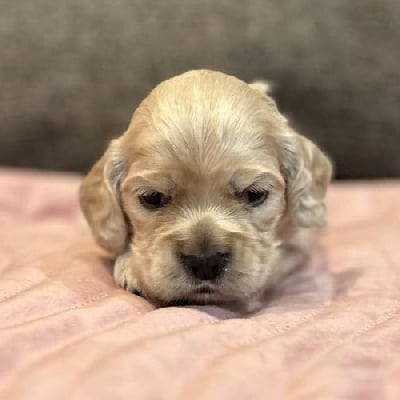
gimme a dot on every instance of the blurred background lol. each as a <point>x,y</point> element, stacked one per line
<point>72,72</point>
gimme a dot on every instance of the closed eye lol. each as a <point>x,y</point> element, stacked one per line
<point>253,197</point>
<point>153,200</point>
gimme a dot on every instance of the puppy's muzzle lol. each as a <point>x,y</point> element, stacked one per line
<point>205,267</point>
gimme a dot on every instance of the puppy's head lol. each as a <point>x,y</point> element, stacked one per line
<point>202,188</point>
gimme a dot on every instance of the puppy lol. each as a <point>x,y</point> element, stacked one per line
<point>209,196</point>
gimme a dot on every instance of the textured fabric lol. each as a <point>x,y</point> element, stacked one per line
<point>330,331</point>
<point>73,71</point>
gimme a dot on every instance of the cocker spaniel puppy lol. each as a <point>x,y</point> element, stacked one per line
<point>209,196</point>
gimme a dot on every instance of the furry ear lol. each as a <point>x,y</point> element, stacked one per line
<point>100,202</point>
<point>265,89</point>
<point>262,87</point>
<point>307,171</point>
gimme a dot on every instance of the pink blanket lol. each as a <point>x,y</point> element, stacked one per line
<point>331,331</point>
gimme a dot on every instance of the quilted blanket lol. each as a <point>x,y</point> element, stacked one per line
<point>330,331</point>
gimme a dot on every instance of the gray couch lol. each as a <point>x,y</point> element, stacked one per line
<point>72,72</point>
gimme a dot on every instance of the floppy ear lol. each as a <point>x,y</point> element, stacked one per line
<point>100,201</point>
<point>307,171</point>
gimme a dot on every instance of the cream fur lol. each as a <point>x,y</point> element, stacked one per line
<point>199,138</point>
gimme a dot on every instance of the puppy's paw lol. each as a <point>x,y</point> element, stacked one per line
<point>123,274</point>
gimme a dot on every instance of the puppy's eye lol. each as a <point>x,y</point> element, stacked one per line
<point>153,200</point>
<point>253,197</point>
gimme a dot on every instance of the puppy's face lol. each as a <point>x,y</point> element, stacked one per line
<point>200,191</point>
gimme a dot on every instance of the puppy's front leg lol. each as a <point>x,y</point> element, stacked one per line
<point>123,273</point>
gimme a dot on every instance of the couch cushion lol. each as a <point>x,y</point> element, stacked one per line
<point>73,71</point>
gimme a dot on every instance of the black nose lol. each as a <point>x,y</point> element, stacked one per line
<point>205,268</point>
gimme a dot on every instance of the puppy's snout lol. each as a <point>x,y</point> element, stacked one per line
<point>205,252</point>
<point>205,267</point>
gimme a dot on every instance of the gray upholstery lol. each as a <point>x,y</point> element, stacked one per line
<point>73,71</point>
